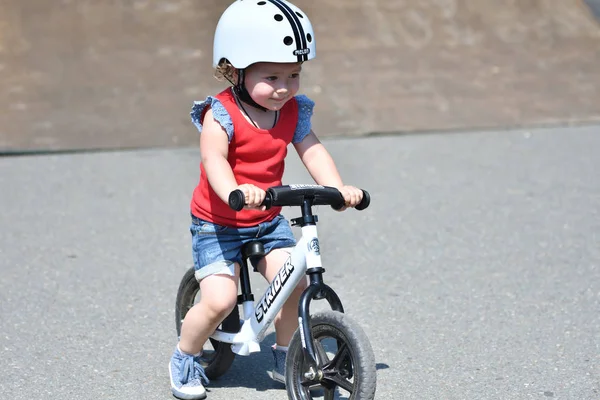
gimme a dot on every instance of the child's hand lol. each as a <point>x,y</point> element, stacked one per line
<point>352,196</point>
<point>253,196</point>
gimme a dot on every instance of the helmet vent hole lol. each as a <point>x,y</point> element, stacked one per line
<point>288,40</point>
<point>300,15</point>
<point>261,3</point>
<point>278,17</point>
<point>309,37</point>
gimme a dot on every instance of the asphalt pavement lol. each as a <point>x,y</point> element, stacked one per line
<point>475,272</point>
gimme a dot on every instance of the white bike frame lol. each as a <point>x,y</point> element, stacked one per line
<point>258,317</point>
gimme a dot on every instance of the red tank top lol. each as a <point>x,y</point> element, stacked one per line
<point>256,156</point>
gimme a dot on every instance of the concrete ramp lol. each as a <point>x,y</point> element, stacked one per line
<point>88,74</point>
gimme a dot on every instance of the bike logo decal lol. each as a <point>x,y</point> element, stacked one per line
<point>302,186</point>
<point>301,329</point>
<point>301,52</point>
<point>314,246</point>
<point>273,290</point>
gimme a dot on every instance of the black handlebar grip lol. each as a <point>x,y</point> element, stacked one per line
<point>341,204</point>
<point>364,203</point>
<point>237,200</point>
<point>268,201</point>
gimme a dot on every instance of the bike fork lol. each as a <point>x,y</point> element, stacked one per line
<point>318,290</point>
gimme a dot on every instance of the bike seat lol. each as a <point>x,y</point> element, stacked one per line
<point>253,249</point>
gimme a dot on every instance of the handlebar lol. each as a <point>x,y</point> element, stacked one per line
<point>294,195</point>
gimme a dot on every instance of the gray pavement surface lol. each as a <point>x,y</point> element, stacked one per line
<point>475,272</point>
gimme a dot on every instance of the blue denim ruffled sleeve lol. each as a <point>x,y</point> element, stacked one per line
<point>305,112</point>
<point>219,112</point>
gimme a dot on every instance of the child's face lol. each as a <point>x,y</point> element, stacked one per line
<point>272,84</point>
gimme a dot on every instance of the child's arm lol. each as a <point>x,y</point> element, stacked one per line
<point>321,167</point>
<point>214,148</point>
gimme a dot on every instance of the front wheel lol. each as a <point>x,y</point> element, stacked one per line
<point>346,363</point>
<point>217,356</point>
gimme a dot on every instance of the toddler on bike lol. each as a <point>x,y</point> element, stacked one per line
<point>260,48</point>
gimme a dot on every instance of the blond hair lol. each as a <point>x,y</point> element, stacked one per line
<point>225,71</point>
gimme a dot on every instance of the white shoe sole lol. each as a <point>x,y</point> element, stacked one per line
<point>185,395</point>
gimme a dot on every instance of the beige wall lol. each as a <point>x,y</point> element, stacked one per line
<point>124,73</point>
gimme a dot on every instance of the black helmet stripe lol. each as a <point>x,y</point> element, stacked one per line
<point>300,28</point>
<point>296,28</point>
<point>302,45</point>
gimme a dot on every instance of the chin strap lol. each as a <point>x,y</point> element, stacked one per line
<point>242,92</point>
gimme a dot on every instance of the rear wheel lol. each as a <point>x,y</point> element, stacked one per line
<point>217,356</point>
<point>346,363</point>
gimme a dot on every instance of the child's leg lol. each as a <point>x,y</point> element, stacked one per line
<point>218,297</point>
<point>286,321</point>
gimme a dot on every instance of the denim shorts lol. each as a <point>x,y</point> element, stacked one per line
<point>215,248</point>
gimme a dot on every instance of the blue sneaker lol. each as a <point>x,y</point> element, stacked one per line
<point>279,369</point>
<point>187,376</point>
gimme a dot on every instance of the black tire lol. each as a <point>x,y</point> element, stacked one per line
<point>217,360</point>
<point>350,369</point>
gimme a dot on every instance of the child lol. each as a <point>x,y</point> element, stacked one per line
<point>259,47</point>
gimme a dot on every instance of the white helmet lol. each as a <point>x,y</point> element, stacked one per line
<point>251,31</point>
